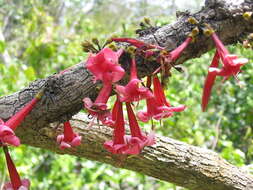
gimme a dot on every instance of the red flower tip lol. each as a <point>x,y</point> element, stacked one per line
<point>69,138</point>
<point>132,92</point>
<point>104,65</point>
<point>16,183</point>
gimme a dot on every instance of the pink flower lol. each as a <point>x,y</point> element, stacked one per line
<point>7,128</point>
<point>231,63</point>
<point>231,67</point>
<point>132,92</point>
<point>16,183</point>
<point>157,106</point>
<point>125,144</point>
<point>68,138</point>
<point>137,141</point>
<point>104,65</point>
<point>99,108</point>
<point>118,144</point>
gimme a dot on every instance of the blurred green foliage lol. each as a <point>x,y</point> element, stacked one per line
<point>44,37</point>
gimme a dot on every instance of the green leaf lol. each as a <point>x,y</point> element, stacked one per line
<point>2,46</point>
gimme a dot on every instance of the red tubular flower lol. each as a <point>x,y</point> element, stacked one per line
<point>132,92</point>
<point>209,82</point>
<point>137,141</point>
<point>177,52</point>
<point>158,107</point>
<point>16,183</point>
<point>68,138</point>
<point>231,67</point>
<point>104,65</point>
<point>7,128</point>
<point>231,63</point>
<point>117,145</point>
<point>137,43</point>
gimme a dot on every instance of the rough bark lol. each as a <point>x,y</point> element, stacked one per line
<point>180,163</point>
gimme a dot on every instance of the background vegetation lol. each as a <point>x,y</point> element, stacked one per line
<point>41,37</point>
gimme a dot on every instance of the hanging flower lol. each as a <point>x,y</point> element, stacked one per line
<point>117,145</point>
<point>132,92</point>
<point>158,107</point>
<point>231,66</point>
<point>16,183</point>
<point>68,139</point>
<point>105,65</point>
<point>7,128</point>
<point>231,63</point>
<point>137,141</point>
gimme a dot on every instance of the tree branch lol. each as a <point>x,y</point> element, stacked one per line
<point>180,163</point>
<point>168,160</point>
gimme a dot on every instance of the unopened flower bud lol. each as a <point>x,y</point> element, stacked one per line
<point>208,31</point>
<point>192,20</point>
<point>247,15</point>
<point>95,41</point>
<point>147,20</point>
<point>86,44</point>
<point>113,46</point>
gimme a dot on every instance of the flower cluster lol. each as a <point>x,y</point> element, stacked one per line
<point>105,67</point>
